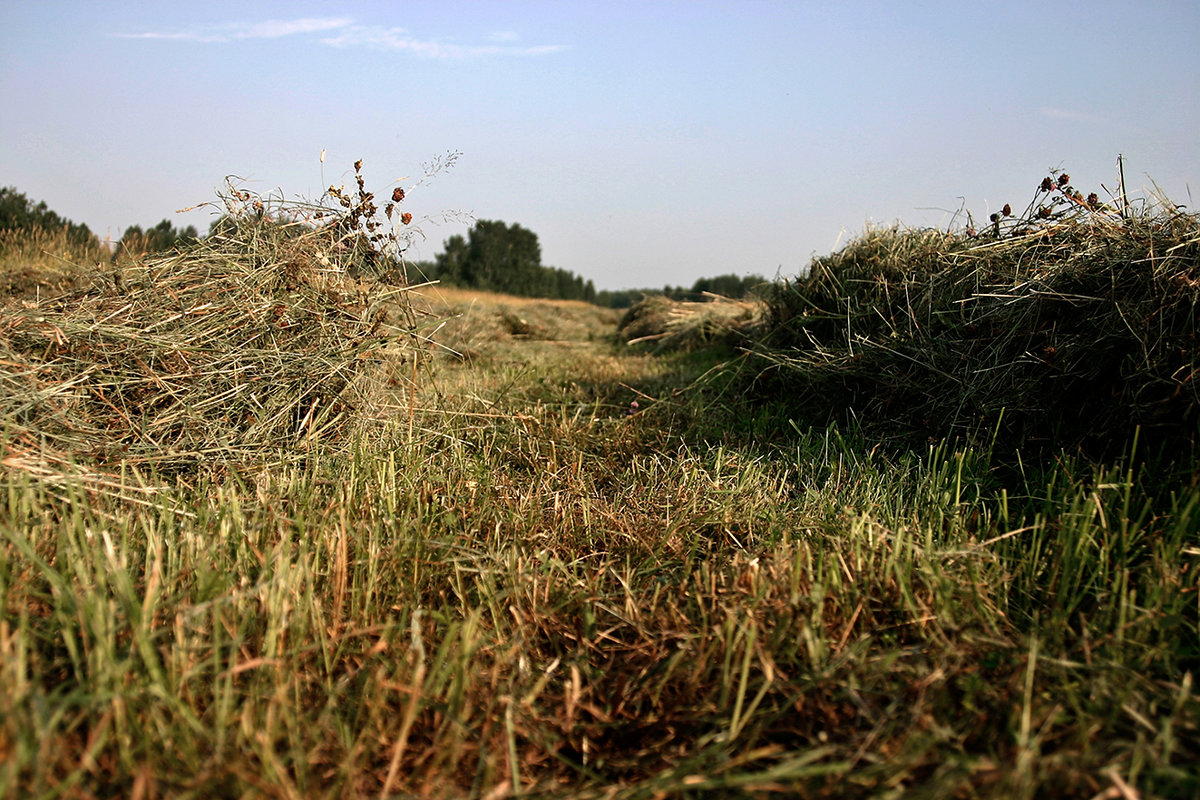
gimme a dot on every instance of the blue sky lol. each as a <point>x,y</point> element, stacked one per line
<point>646,143</point>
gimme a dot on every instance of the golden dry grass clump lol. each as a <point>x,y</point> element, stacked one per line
<point>679,325</point>
<point>253,341</point>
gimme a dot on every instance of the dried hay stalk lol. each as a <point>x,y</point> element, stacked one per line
<point>1065,328</point>
<point>679,325</point>
<point>251,342</point>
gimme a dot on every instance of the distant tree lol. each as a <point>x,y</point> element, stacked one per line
<point>505,258</point>
<point>420,271</point>
<point>724,285</point>
<point>18,212</point>
<point>728,285</point>
<point>161,237</point>
<point>448,265</point>
<point>621,298</point>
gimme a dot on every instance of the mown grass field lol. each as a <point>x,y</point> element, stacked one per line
<point>544,563</point>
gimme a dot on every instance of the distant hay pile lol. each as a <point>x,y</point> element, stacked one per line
<point>676,325</point>
<point>1072,326</point>
<point>249,343</point>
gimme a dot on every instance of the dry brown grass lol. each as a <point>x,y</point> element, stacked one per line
<point>1071,326</point>
<point>248,344</point>
<point>39,263</point>
<point>677,325</point>
<point>471,324</point>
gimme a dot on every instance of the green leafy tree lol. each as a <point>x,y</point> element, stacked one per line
<point>621,298</point>
<point>448,265</point>
<point>506,258</point>
<point>18,212</point>
<point>161,237</point>
<point>728,285</point>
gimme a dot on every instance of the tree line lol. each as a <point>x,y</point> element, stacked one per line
<point>18,212</point>
<point>730,285</point>
<point>493,256</point>
<point>499,257</point>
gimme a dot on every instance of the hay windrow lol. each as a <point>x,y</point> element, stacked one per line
<point>253,342</point>
<point>677,325</point>
<point>1066,330</point>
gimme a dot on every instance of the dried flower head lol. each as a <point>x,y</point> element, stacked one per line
<point>397,194</point>
<point>1064,179</point>
<point>1007,210</point>
<point>1093,200</point>
<point>1047,184</point>
<point>406,217</point>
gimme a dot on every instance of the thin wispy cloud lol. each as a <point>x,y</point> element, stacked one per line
<point>400,40</point>
<point>342,32</point>
<point>233,31</point>
<point>275,28</point>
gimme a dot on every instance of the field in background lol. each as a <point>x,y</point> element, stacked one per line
<point>523,557</point>
<point>470,324</point>
<point>41,263</point>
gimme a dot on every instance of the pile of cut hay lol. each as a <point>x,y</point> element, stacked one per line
<point>246,345</point>
<point>676,325</point>
<point>1068,328</point>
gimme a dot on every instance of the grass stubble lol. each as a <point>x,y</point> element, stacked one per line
<point>507,579</point>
